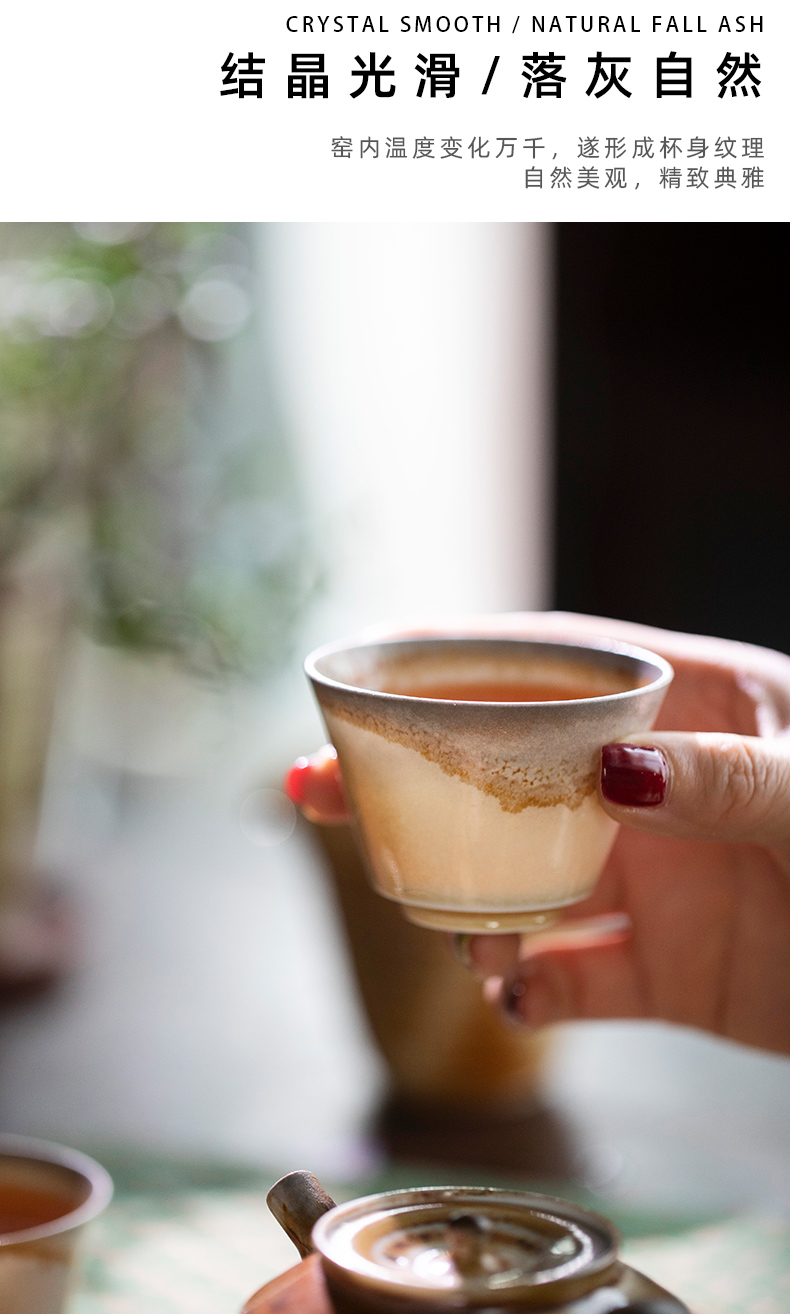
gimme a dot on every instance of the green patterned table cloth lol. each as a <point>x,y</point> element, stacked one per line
<point>204,1251</point>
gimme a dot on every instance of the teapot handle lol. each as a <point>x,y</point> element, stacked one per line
<point>297,1201</point>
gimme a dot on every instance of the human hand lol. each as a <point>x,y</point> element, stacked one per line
<point>690,921</point>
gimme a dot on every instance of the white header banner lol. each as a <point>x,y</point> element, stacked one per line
<point>264,111</point>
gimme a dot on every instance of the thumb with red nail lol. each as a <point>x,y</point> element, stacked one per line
<point>701,787</point>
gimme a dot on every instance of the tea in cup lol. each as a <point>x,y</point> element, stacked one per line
<point>471,766</point>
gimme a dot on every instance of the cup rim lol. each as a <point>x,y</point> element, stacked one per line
<point>101,1185</point>
<point>613,646</point>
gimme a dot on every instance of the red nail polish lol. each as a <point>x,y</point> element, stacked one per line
<point>294,782</point>
<point>512,998</point>
<point>634,775</point>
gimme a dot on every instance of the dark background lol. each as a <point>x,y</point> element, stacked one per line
<point>673,434</point>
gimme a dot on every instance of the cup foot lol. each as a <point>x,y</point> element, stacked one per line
<point>481,923</point>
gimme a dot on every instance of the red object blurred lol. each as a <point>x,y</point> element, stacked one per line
<point>314,785</point>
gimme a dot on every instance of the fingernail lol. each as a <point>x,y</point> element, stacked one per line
<point>634,775</point>
<point>511,1000</point>
<point>294,782</point>
<point>462,942</point>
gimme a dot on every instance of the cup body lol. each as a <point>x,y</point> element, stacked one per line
<point>478,815</point>
<point>47,1195</point>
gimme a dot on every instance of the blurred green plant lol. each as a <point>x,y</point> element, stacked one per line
<point>131,392</point>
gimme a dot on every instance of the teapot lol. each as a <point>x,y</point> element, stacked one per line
<point>444,1249</point>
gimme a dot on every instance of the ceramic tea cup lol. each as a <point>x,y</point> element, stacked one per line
<point>471,766</point>
<point>47,1195</point>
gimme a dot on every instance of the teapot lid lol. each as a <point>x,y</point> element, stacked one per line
<point>479,1244</point>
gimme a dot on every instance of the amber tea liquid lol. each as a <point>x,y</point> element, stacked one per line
<point>23,1207</point>
<point>500,691</point>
